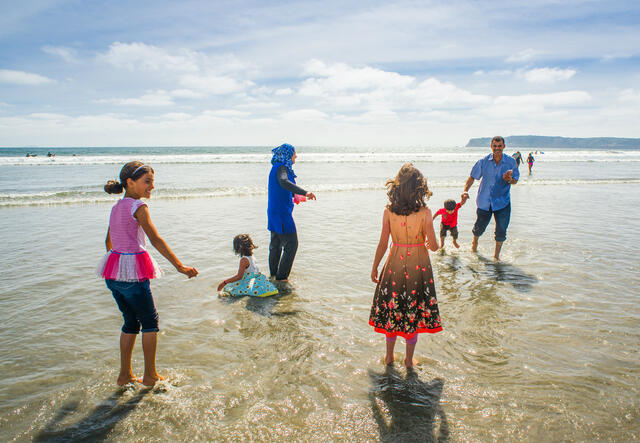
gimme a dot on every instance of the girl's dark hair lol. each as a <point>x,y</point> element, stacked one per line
<point>449,205</point>
<point>129,170</point>
<point>408,191</point>
<point>243,245</point>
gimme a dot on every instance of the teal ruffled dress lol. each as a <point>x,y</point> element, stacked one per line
<point>252,283</point>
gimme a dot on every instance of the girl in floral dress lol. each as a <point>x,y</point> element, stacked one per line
<point>404,303</point>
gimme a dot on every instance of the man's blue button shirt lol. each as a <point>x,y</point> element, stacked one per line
<point>494,192</point>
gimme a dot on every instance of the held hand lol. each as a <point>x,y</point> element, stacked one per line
<point>464,196</point>
<point>507,176</point>
<point>221,286</point>
<point>310,196</point>
<point>374,275</point>
<point>188,271</point>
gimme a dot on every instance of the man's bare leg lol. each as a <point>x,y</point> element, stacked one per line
<point>496,254</point>
<point>474,244</point>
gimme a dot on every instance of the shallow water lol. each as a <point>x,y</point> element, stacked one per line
<point>541,346</point>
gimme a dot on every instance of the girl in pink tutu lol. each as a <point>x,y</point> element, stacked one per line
<point>127,268</point>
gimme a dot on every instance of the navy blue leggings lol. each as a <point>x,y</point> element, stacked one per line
<point>135,301</point>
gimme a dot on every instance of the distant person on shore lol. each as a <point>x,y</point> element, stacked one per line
<point>517,156</point>
<point>498,172</point>
<point>248,280</point>
<point>450,219</point>
<point>530,161</point>
<point>282,192</point>
<point>404,302</point>
<point>127,268</point>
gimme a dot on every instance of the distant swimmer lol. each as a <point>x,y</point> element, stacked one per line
<point>517,156</point>
<point>50,154</point>
<point>530,161</point>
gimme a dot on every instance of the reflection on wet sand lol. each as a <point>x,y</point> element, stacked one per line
<point>408,409</point>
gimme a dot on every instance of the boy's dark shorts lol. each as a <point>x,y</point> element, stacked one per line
<point>444,228</point>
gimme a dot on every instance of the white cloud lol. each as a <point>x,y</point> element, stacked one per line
<point>548,75</point>
<point>284,91</point>
<point>342,77</point>
<point>304,115</point>
<point>213,84</point>
<point>151,99</point>
<point>567,98</point>
<point>227,113</point>
<point>523,56</point>
<point>366,88</point>
<point>629,96</point>
<point>186,93</point>
<point>140,56</point>
<point>69,55</point>
<point>22,78</point>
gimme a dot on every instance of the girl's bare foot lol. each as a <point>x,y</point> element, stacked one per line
<point>149,380</point>
<point>389,359</point>
<point>124,379</point>
<point>413,363</point>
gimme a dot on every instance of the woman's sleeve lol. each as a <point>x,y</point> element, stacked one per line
<point>283,180</point>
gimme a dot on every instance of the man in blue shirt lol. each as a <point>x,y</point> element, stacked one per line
<point>498,172</point>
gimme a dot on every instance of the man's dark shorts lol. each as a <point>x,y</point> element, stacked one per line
<point>502,218</point>
<point>135,301</point>
<point>444,228</point>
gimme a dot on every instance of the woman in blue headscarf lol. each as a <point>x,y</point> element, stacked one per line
<point>282,188</point>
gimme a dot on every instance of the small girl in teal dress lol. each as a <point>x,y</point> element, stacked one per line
<point>248,280</point>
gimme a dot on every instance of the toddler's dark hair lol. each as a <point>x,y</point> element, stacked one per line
<point>129,170</point>
<point>243,245</point>
<point>449,205</point>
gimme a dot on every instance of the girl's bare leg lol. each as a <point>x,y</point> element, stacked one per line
<point>149,344</point>
<point>127,341</point>
<point>409,361</point>
<point>388,359</point>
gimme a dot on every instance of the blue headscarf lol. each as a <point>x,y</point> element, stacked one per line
<point>282,154</point>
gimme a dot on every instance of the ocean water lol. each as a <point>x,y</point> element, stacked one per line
<point>541,346</point>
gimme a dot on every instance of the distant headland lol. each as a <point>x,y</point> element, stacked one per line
<point>540,141</point>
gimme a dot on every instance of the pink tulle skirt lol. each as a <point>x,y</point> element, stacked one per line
<point>121,266</point>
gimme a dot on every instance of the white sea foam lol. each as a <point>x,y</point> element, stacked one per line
<point>315,157</point>
<point>98,196</point>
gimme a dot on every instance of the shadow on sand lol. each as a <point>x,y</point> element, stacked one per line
<point>97,425</point>
<point>408,409</point>
<point>508,273</point>
<point>265,306</point>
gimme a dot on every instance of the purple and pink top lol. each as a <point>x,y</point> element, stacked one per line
<point>128,260</point>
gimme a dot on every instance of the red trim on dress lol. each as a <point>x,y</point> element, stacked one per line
<point>403,334</point>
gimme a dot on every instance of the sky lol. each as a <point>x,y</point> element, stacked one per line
<point>315,73</point>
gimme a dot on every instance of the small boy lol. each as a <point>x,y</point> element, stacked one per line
<point>450,220</point>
